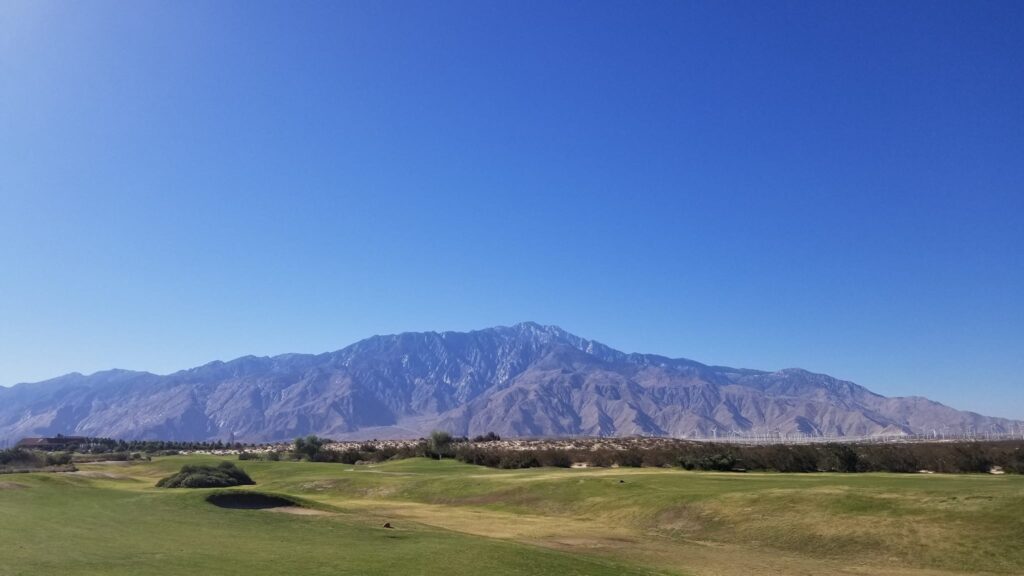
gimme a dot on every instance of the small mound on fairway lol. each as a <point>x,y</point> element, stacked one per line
<point>249,501</point>
<point>223,475</point>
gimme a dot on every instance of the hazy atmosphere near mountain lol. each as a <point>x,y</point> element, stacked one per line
<point>527,380</point>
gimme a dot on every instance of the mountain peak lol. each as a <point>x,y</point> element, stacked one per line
<point>532,326</point>
<point>536,330</point>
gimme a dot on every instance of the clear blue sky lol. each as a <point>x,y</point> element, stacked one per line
<point>832,185</point>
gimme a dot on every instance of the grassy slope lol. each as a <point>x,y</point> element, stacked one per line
<point>454,518</point>
<point>64,525</point>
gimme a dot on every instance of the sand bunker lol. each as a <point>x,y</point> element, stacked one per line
<point>258,501</point>
<point>249,501</point>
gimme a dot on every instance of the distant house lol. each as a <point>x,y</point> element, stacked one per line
<point>57,443</point>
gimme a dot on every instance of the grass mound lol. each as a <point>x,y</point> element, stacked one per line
<point>222,475</point>
<point>249,501</point>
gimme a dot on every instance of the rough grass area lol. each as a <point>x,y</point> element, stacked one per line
<point>451,518</point>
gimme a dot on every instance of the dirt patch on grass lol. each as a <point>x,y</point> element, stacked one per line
<point>12,486</point>
<point>513,497</point>
<point>320,485</point>
<point>100,475</point>
<point>681,518</point>
<point>298,511</point>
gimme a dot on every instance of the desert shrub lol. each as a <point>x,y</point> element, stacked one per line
<point>222,475</point>
<point>840,458</point>
<point>20,457</point>
<point>58,458</point>
<point>720,462</point>
<point>515,459</point>
<point>554,458</point>
<point>658,458</point>
<point>801,459</point>
<point>512,459</point>
<point>600,458</point>
<point>895,458</point>
<point>309,448</point>
<point>350,456</point>
<point>632,458</point>
<point>1014,460</point>
<point>972,458</point>
<point>479,456</point>
<point>782,458</point>
<point>489,437</point>
<point>382,454</point>
<point>946,457</point>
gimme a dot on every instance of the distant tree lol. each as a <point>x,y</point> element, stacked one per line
<point>440,443</point>
<point>309,447</point>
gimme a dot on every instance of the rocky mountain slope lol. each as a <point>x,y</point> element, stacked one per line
<point>524,380</point>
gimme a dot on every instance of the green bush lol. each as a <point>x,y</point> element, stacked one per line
<point>555,458</point>
<point>58,458</point>
<point>310,448</point>
<point>223,475</point>
<point>514,459</point>
<point>714,462</point>
<point>439,444</point>
<point>21,457</point>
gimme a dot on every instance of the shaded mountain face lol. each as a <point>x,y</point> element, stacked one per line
<point>524,380</point>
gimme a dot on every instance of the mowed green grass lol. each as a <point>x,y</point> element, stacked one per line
<point>61,524</point>
<point>452,518</point>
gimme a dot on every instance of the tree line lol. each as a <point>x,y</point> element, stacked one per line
<point>941,457</point>
<point>485,450</point>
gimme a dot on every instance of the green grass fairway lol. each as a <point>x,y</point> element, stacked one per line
<point>453,519</point>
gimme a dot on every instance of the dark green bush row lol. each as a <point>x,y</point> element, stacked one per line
<point>157,447</point>
<point>21,458</point>
<point>941,457</point>
<point>110,457</point>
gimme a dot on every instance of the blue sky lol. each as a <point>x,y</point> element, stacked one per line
<point>832,185</point>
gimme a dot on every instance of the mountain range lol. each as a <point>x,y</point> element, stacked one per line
<point>525,380</point>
